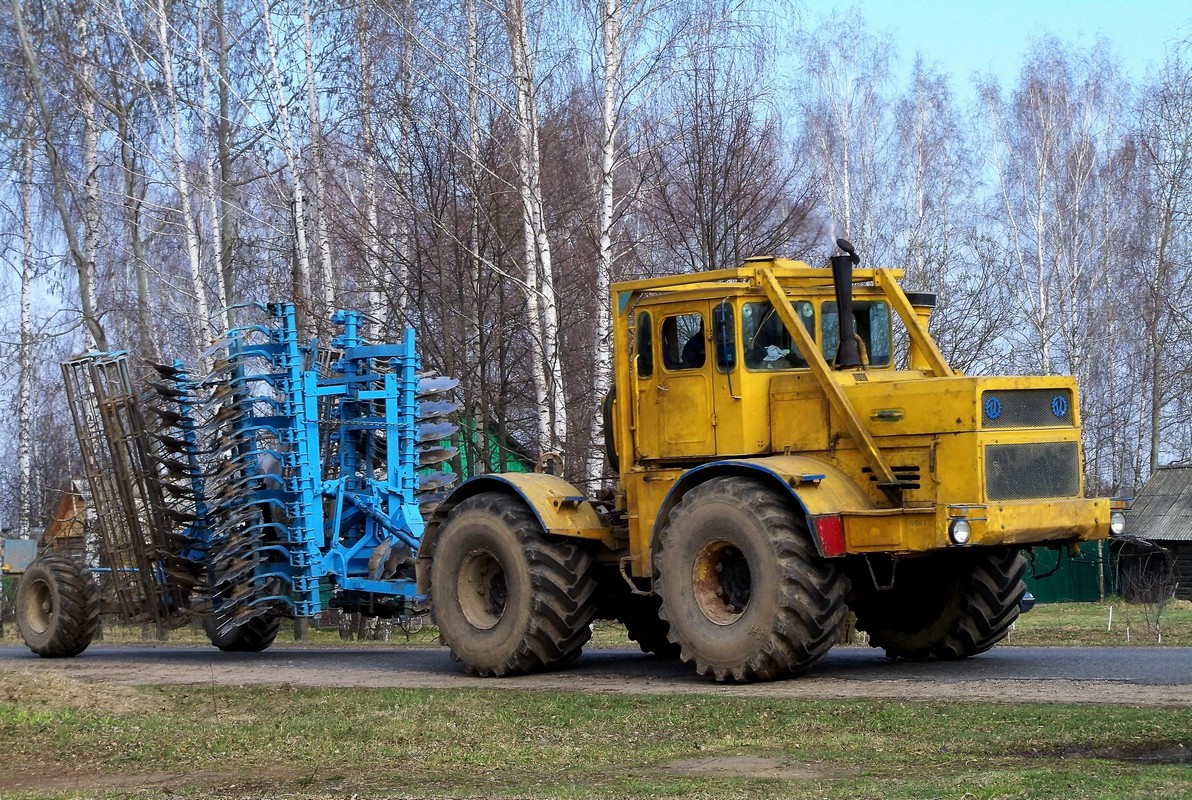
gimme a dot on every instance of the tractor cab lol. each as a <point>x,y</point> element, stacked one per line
<point>705,358</point>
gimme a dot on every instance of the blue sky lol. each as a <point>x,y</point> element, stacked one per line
<point>962,37</point>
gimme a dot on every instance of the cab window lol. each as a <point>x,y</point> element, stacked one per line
<point>872,318</point>
<point>645,346</point>
<point>683,345</point>
<point>766,341</point>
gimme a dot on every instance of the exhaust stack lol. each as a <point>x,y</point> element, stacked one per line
<point>848,356</point>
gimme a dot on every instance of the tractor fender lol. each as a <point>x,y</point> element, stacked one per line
<point>559,507</point>
<point>815,486</point>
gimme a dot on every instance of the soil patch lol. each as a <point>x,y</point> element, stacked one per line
<point>745,766</point>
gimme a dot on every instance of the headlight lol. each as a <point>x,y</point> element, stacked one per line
<point>959,531</point>
<point>1117,523</point>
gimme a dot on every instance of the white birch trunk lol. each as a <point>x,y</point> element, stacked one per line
<point>205,335</point>
<point>90,164</point>
<point>541,307</point>
<point>472,353</point>
<point>402,194</point>
<point>211,190</point>
<point>302,251</point>
<point>610,37</point>
<point>372,253</point>
<point>25,380</point>
<point>326,278</point>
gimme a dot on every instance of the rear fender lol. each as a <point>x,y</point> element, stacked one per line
<point>819,491</point>
<point>559,507</point>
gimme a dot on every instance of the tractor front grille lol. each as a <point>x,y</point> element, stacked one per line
<point>1032,470</point>
<point>1026,408</point>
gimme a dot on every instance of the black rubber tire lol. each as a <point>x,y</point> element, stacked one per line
<point>781,604</point>
<point>946,606</point>
<point>58,606</point>
<point>254,636</point>
<point>508,600</point>
<point>639,615</point>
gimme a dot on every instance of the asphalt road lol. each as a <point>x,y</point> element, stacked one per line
<point>1145,676</point>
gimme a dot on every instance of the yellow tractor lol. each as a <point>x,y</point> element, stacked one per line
<point>776,470</point>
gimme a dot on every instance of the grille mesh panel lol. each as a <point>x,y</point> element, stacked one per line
<point>1026,408</point>
<point>1036,469</point>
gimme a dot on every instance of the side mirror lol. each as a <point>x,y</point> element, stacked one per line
<point>724,336</point>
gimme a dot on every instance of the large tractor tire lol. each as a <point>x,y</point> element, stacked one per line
<point>508,600</point>
<point>58,607</point>
<point>945,607</point>
<point>745,593</point>
<point>254,636</point>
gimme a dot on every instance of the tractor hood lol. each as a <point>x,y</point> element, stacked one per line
<point>906,404</point>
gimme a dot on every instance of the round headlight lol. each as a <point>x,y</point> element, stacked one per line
<point>1117,523</point>
<point>959,531</point>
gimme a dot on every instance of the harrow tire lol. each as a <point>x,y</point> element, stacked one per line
<point>745,593</point>
<point>509,600</point>
<point>58,606</point>
<point>253,636</point>
<point>945,607</point>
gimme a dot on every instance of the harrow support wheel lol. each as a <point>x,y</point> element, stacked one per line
<point>508,600</point>
<point>57,607</point>
<point>745,593</point>
<point>946,606</point>
<point>254,636</point>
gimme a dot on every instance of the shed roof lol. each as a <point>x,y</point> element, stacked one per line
<point>1163,509</point>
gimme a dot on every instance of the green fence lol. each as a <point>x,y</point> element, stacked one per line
<point>1054,576</point>
<point>497,455</point>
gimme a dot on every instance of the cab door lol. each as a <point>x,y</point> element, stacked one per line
<point>674,386</point>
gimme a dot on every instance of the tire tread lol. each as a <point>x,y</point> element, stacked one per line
<point>813,590</point>
<point>984,606</point>
<point>562,587</point>
<point>76,622</point>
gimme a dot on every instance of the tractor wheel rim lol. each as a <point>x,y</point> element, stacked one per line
<point>39,606</point>
<point>722,582</point>
<point>482,589</point>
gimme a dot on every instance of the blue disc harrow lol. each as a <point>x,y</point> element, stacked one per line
<point>291,472</point>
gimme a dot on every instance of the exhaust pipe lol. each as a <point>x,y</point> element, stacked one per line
<point>848,356</point>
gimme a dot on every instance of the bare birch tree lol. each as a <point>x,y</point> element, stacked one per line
<point>845,70</point>
<point>80,244</point>
<point>612,48</point>
<point>378,315</point>
<point>541,308</point>
<point>323,238</point>
<point>25,357</point>
<point>301,258</point>
<point>203,329</point>
<point>1165,133</point>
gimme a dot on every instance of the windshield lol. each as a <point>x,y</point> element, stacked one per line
<point>765,340</point>
<point>873,326</point>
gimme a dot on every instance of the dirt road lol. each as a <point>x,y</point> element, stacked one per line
<point>1133,676</point>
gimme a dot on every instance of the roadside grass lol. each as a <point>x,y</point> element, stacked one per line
<point>283,742</point>
<point>1049,625</point>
